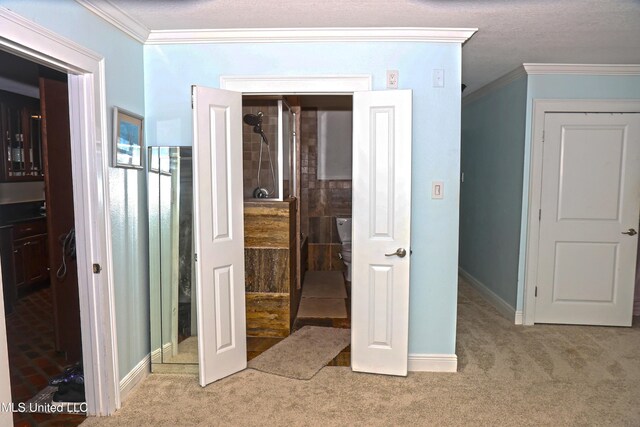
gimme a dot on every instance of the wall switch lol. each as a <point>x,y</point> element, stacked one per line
<point>438,78</point>
<point>437,190</point>
<point>392,79</point>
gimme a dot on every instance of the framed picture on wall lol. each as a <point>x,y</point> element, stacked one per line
<point>127,139</point>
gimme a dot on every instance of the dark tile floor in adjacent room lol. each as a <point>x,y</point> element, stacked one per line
<point>32,357</point>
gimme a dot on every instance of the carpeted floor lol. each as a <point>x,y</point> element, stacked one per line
<point>508,375</point>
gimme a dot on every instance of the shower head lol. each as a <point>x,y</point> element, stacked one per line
<point>253,119</point>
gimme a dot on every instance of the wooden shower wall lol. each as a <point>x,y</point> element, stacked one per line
<point>270,267</point>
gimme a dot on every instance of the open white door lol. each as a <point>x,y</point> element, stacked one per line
<point>381,231</point>
<point>589,219</point>
<point>219,232</point>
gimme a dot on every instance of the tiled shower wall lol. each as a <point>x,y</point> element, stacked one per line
<point>320,201</point>
<point>251,146</point>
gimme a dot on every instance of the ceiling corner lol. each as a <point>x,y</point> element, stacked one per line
<point>118,18</point>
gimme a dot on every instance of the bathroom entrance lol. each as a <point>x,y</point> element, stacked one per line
<point>381,198</point>
<point>297,165</point>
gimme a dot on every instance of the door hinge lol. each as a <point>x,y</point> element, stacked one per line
<point>193,91</point>
<point>195,257</point>
<point>542,135</point>
<point>97,268</point>
<point>539,214</point>
<point>536,293</point>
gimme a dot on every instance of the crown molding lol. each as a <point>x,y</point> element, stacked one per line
<point>118,18</point>
<point>587,69</point>
<point>494,85</point>
<point>300,35</point>
<point>540,69</point>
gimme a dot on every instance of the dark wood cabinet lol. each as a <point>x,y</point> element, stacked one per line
<point>30,254</point>
<point>21,157</point>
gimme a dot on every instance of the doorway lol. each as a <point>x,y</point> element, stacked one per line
<point>85,74</point>
<point>382,135</point>
<point>298,276</point>
<point>40,280</point>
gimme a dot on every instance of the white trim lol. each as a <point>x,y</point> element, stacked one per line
<point>494,85</point>
<point>540,108</point>
<point>118,18</point>
<point>534,69</point>
<point>135,377</point>
<point>87,110</point>
<point>302,35</point>
<point>6,417</point>
<point>156,356</point>
<point>433,362</point>
<point>588,69</point>
<point>328,84</point>
<point>503,307</point>
<point>518,318</point>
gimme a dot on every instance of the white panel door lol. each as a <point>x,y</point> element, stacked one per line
<point>219,232</point>
<point>381,231</point>
<point>590,199</point>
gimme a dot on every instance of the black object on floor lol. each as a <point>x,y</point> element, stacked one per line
<point>69,392</point>
<point>72,374</point>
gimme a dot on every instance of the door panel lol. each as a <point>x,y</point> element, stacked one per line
<point>219,232</point>
<point>590,196</point>
<point>382,225</point>
<point>54,105</point>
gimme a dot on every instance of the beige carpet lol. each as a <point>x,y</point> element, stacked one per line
<point>302,354</point>
<point>187,352</point>
<point>509,376</point>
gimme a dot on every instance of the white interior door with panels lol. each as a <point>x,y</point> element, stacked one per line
<point>589,209</point>
<point>219,232</point>
<point>381,231</point>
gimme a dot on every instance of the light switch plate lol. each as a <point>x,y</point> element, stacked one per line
<point>438,78</point>
<point>437,190</point>
<point>392,79</point>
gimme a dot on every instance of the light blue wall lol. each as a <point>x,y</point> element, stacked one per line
<point>493,129</point>
<point>124,76</point>
<point>561,86</point>
<point>170,70</point>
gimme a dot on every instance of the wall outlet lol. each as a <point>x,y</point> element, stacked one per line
<point>392,79</point>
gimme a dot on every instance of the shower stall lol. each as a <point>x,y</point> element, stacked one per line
<point>268,149</point>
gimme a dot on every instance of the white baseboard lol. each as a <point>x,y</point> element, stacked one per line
<point>433,363</point>
<point>518,319</point>
<point>501,305</point>
<point>133,378</point>
<point>158,355</point>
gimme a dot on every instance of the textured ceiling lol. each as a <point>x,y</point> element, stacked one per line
<point>511,32</point>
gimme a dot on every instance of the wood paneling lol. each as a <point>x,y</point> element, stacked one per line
<point>268,314</point>
<point>267,224</point>
<point>267,270</point>
<point>271,267</point>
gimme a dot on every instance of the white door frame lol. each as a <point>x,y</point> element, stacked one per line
<point>540,108</point>
<point>90,167</point>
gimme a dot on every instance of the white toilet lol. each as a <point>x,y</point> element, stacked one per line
<point>344,233</point>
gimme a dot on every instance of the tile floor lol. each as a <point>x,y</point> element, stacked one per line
<point>32,357</point>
